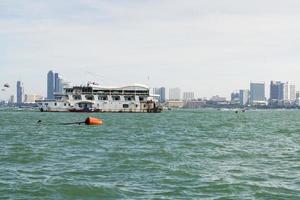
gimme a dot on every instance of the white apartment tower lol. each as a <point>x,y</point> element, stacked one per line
<point>188,96</point>
<point>174,94</point>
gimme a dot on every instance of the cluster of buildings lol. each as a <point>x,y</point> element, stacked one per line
<point>174,94</point>
<point>21,97</point>
<point>282,94</point>
<point>175,97</point>
<point>55,84</point>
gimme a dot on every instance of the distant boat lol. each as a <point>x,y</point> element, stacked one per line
<point>6,85</point>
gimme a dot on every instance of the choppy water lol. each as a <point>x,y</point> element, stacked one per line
<point>172,155</point>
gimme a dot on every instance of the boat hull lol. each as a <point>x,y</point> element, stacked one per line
<point>132,107</point>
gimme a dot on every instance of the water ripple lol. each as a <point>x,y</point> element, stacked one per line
<point>173,155</point>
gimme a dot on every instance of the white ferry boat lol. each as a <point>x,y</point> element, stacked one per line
<point>95,98</point>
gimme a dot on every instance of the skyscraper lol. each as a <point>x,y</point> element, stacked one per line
<point>286,96</point>
<point>289,92</point>
<point>292,93</point>
<point>257,93</point>
<point>244,96</point>
<point>277,92</point>
<point>161,92</point>
<point>20,91</point>
<point>56,82</point>
<point>174,94</point>
<point>50,85</point>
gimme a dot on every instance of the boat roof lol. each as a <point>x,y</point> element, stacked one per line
<point>135,86</point>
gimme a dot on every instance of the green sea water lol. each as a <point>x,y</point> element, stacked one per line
<point>203,154</point>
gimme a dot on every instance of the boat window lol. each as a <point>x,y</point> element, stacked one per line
<point>116,98</point>
<point>46,104</point>
<point>130,92</point>
<point>125,106</point>
<point>129,98</point>
<point>87,89</point>
<point>69,90</point>
<point>65,104</point>
<point>106,92</point>
<point>141,98</point>
<point>102,97</point>
<point>89,97</point>
<point>76,97</point>
<point>55,104</point>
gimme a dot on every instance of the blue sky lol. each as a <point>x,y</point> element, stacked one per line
<point>210,47</point>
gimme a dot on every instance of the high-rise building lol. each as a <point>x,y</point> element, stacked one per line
<point>244,96</point>
<point>257,93</point>
<point>289,92</point>
<point>292,93</point>
<point>50,85</point>
<point>60,85</point>
<point>188,96</point>
<point>174,94</point>
<point>282,93</point>
<point>277,92</point>
<point>286,96</point>
<point>55,84</point>
<point>57,79</point>
<point>161,92</point>
<point>20,92</point>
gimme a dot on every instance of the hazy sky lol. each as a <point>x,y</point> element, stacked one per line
<point>207,46</point>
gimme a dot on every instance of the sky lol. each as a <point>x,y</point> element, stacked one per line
<point>209,47</point>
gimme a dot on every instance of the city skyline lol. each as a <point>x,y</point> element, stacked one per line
<point>288,90</point>
<point>209,47</point>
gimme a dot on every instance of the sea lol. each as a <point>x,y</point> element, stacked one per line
<point>177,154</point>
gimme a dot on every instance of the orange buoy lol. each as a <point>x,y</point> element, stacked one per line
<point>93,121</point>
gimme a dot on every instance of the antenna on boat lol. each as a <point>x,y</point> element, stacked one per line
<point>95,76</point>
<point>148,81</point>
